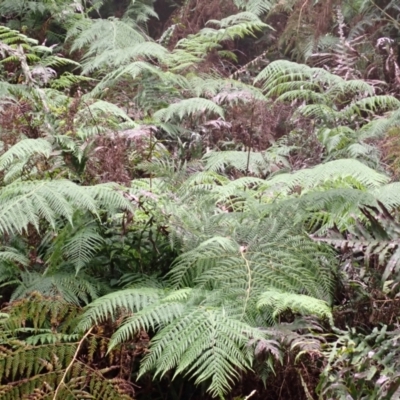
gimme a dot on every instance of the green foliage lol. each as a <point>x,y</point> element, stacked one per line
<point>182,201</point>
<point>280,302</point>
<point>362,366</point>
<point>213,348</point>
<point>188,108</point>
<point>378,239</point>
<point>49,362</point>
<point>24,203</point>
<point>349,171</point>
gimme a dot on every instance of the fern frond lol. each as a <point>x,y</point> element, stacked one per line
<point>233,27</point>
<point>388,195</point>
<point>100,35</point>
<point>204,344</point>
<point>24,203</point>
<point>372,105</point>
<point>330,172</point>
<point>188,107</point>
<point>25,149</point>
<point>252,162</point>
<point>73,289</point>
<point>81,248</point>
<point>153,317</point>
<point>283,71</point>
<point>128,301</point>
<point>100,109</point>
<point>118,57</point>
<point>297,303</point>
<point>256,7</point>
<point>133,71</point>
<point>10,254</point>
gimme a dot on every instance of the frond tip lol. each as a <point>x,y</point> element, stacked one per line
<point>278,302</point>
<point>205,344</point>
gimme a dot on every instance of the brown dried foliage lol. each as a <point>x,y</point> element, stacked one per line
<point>108,161</point>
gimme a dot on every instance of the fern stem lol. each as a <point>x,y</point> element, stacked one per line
<point>394,21</point>
<point>72,362</point>
<point>242,250</point>
<point>250,144</point>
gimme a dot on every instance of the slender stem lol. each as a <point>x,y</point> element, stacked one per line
<point>71,363</point>
<point>394,21</point>
<point>251,139</point>
<point>242,251</point>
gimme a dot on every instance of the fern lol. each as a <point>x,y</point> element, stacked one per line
<point>382,241</point>
<point>25,149</point>
<point>50,363</point>
<point>188,107</point>
<point>24,203</point>
<point>356,173</point>
<point>279,302</point>
<point>210,349</point>
<point>211,345</point>
<point>256,7</point>
<point>259,164</point>
<point>129,300</point>
<point>73,289</point>
<point>235,26</point>
<point>95,35</point>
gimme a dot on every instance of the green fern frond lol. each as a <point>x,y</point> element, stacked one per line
<point>100,109</point>
<point>204,344</point>
<point>235,26</point>
<point>25,149</point>
<point>256,7</point>
<point>152,317</point>
<point>379,238</point>
<point>45,368</point>
<point>118,57</point>
<point>133,70</point>
<point>282,71</point>
<point>258,256</point>
<point>73,289</point>
<point>124,301</point>
<point>99,35</point>
<point>9,254</point>
<point>141,11</point>
<point>188,107</point>
<point>255,163</point>
<point>328,173</point>
<point>372,105</point>
<point>81,248</point>
<point>378,127</point>
<point>388,195</point>
<point>24,203</point>
<point>279,302</point>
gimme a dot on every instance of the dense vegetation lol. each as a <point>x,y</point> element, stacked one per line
<point>199,199</point>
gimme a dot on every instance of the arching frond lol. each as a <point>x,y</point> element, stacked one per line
<point>124,301</point>
<point>24,149</point>
<point>297,303</point>
<point>100,35</point>
<point>72,289</point>
<point>252,162</point>
<point>234,26</point>
<point>256,7</point>
<point>115,58</point>
<point>286,71</point>
<point>188,107</point>
<point>206,345</point>
<point>24,203</point>
<point>332,171</point>
<point>10,254</point>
